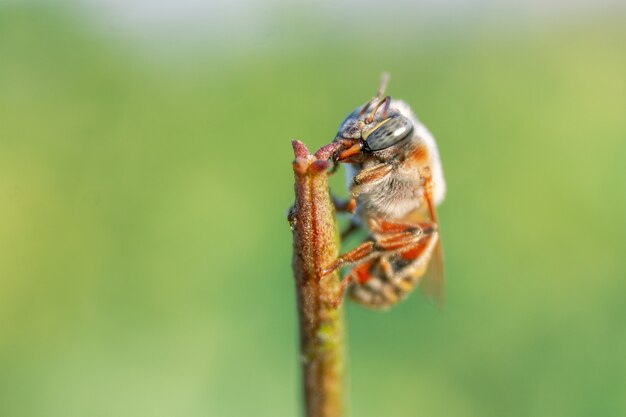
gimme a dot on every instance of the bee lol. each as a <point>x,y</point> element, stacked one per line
<point>396,181</point>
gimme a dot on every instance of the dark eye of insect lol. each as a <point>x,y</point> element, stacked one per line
<point>388,133</point>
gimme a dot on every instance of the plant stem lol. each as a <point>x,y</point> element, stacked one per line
<point>315,245</point>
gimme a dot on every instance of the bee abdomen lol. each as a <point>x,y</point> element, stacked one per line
<point>380,292</point>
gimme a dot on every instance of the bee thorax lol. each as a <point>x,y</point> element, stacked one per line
<point>392,197</point>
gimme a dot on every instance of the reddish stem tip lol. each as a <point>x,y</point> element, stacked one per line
<point>299,149</point>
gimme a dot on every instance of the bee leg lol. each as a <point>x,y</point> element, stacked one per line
<point>386,267</point>
<point>369,175</point>
<point>391,237</point>
<point>358,274</point>
<point>358,254</point>
<point>398,237</point>
<point>414,243</point>
<point>344,206</point>
<point>427,183</point>
<point>398,241</point>
<point>343,286</point>
<point>419,255</point>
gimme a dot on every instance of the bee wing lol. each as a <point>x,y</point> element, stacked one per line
<point>432,283</point>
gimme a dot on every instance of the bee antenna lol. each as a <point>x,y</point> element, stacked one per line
<point>386,101</point>
<point>384,79</point>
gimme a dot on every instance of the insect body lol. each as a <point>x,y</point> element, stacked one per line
<point>396,181</point>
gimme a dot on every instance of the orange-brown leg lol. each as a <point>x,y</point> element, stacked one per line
<point>394,238</point>
<point>343,286</point>
<point>359,274</point>
<point>360,253</point>
<point>368,176</point>
<point>427,183</point>
<point>419,254</point>
<point>413,246</point>
<point>344,206</point>
<point>372,174</point>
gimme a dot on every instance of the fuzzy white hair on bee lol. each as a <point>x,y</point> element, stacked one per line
<point>423,135</point>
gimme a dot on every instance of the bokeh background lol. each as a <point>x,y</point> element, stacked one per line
<point>145,177</point>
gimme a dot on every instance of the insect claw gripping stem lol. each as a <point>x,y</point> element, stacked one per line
<point>356,255</point>
<point>323,272</point>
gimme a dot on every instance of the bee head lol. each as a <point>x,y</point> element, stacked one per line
<point>374,127</point>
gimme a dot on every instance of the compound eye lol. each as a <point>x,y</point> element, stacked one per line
<point>388,132</point>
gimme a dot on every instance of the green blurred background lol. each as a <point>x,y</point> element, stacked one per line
<point>145,176</point>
